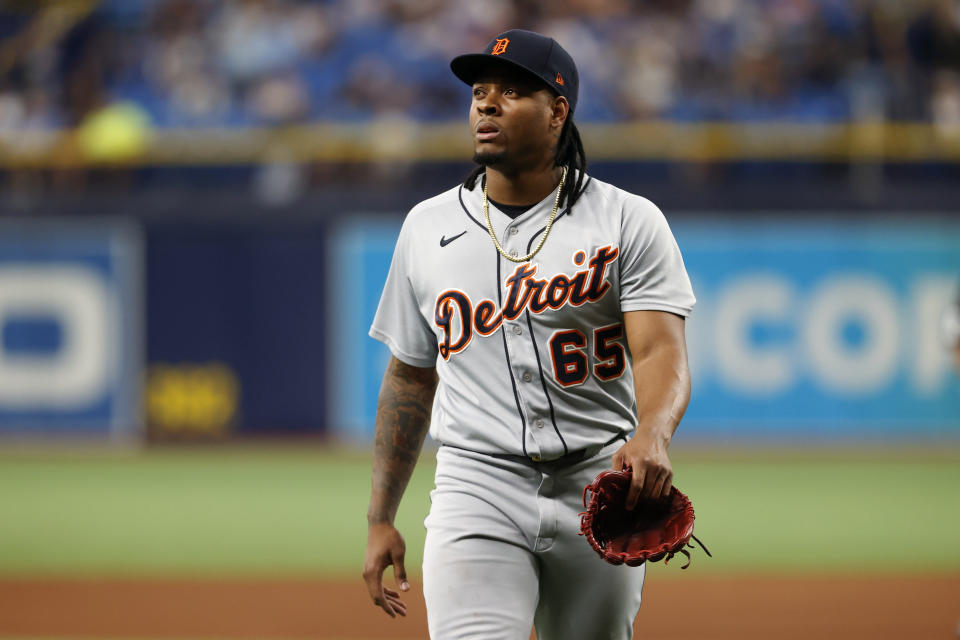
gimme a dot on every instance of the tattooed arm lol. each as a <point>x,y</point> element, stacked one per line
<point>403,416</point>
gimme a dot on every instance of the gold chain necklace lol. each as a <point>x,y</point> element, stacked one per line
<point>546,232</point>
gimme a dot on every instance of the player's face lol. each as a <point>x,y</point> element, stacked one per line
<point>513,120</point>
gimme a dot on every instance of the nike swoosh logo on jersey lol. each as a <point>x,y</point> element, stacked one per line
<point>444,240</point>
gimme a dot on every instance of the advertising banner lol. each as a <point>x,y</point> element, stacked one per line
<point>70,328</point>
<point>822,329</point>
<point>806,328</point>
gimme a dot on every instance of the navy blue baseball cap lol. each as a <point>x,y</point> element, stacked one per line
<point>536,54</point>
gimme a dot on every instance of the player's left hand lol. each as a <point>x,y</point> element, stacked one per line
<point>645,455</point>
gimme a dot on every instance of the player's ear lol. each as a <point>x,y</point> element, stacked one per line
<point>560,111</point>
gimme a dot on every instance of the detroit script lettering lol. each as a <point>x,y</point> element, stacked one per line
<point>524,291</point>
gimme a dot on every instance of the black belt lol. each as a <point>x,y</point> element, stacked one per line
<point>572,458</point>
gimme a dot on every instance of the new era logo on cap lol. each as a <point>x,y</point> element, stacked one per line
<point>539,55</point>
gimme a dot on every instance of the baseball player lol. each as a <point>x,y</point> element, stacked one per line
<point>535,317</point>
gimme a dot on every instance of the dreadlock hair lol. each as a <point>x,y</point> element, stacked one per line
<point>569,153</point>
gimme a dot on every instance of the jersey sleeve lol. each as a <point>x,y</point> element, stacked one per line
<point>398,322</point>
<point>652,274</point>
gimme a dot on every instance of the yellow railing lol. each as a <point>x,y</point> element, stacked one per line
<point>133,143</point>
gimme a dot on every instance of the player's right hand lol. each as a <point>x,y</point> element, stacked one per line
<point>385,547</point>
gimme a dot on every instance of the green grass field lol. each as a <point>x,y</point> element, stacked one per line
<point>213,511</point>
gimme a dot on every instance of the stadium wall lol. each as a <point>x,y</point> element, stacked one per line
<point>236,334</point>
<point>810,326</point>
<point>805,330</point>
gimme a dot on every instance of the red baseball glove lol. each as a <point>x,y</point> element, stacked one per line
<point>654,530</point>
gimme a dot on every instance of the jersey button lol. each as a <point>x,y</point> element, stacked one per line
<point>514,231</point>
<point>527,377</point>
<point>538,424</point>
<point>517,330</point>
<point>514,254</point>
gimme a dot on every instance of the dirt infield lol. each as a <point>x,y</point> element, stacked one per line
<point>678,608</point>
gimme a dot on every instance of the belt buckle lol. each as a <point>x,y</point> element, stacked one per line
<point>567,460</point>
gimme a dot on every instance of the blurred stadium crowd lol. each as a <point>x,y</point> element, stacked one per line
<point>204,63</point>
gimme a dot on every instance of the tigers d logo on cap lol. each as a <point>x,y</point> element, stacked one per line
<point>500,46</point>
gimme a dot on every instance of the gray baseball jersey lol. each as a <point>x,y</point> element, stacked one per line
<point>531,357</point>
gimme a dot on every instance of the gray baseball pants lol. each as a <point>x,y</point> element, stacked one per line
<point>503,553</point>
